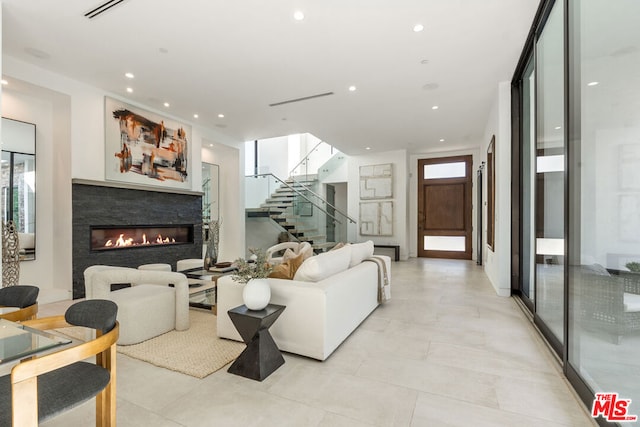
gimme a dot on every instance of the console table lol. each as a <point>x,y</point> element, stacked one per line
<point>262,356</point>
<point>396,250</point>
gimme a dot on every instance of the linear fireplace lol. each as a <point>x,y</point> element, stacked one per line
<point>105,238</point>
<point>104,211</point>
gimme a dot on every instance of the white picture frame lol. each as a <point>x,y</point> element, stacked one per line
<point>144,148</point>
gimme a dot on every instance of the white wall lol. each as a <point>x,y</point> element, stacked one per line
<point>75,128</point>
<point>400,200</point>
<point>497,263</point>
<point>273,155</point>
<point>50,112</point>
<point>232,228</point>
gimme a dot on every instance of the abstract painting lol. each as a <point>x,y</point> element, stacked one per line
<point>376,181</point>
<point>145,148</point>
<point>376,218</point>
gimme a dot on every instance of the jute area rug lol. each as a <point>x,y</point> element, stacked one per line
<point>197,351</point>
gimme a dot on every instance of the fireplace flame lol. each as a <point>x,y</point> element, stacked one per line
<point>122,241</point>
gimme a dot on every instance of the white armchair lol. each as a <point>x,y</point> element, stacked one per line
<point>157,301</point>
<point>296,247</point>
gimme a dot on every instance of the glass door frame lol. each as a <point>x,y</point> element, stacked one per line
<point>571,138</point>
<point>517,226</point>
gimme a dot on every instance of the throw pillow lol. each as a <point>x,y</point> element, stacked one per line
<point>337,246</point>
<point>360,252</point>
<point>288,268</point>
<point>288,254</point>
<point>321,266</point>
<point>305,249</point>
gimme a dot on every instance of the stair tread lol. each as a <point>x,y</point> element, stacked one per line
<point>323,245</point>
<point>282,196</point>
<point>319,237</point>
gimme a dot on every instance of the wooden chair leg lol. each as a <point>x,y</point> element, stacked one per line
<point>106,399</point>
<point>25,403</point>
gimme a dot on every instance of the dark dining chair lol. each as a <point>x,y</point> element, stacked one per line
<point>42,387</point>
<point>22,297</point>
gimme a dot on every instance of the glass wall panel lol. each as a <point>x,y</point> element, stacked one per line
<point>604,174</point>
<point>528,181</point>
<point>549,185</point>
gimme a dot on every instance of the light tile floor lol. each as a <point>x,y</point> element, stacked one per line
<point>445,351</point>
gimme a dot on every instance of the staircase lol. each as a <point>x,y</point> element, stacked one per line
<point>295,206</point>
<point>287,208</point>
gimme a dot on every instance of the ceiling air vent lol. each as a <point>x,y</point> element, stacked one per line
<point>102,8</point>
<point>305,98</point>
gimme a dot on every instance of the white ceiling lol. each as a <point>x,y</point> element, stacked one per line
<point>237,57</point>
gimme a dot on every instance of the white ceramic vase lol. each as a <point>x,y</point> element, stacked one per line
<point>256,294</point>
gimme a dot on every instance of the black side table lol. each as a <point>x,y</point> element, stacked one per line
<point>262,356</point>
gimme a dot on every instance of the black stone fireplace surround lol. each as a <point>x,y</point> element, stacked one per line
<point>110,204</point>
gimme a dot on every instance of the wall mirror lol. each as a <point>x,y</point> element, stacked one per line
<point>19,182</point>
<point>491,194</point>
<point>210,190</point>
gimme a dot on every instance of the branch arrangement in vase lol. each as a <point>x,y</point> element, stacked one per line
<point>247,270</point>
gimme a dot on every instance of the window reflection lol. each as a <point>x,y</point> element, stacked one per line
<point>604,304</point>
<point>19,182</point>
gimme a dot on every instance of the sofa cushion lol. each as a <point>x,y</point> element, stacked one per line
<point>360,252</point>
<point>288,268</point>
<point>337,246</point>
<point>306,250</point>
<point>288,254</point>
<point>631,303</point>
<point>321,266</point>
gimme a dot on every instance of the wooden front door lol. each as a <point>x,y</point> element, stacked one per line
<point>444,207</point>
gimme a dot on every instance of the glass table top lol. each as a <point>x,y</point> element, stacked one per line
<point>7,310</point>
<point>18,341</point>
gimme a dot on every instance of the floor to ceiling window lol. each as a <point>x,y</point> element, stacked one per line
<point>528,182</point>
<point>604,173</point>
<point>577,185</point>
<point>549,172</point>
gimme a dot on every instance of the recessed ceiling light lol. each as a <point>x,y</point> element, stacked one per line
<point>424,61</point>
<point>195,116</point>
<point>163,50</point>
<point>210,145</point>
<point>129,90</point>
<point>221,116</point>
<point>558,127</point>
<point>593,83</point>
<point>367,148</point>
<point>441,139</point>
<point>129,75</point>
<point>435,107</point>
<point>4,82</point>
<point>418,27</point>
<point>298,15</point>
<point>352,88</point>
<point>166,104</point>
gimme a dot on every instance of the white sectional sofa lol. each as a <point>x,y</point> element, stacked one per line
<point>319,315</point>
